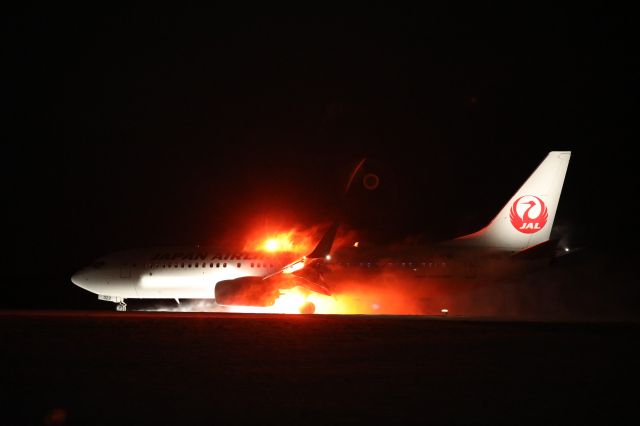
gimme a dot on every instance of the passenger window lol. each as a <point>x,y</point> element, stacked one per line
<point>224,265</point>
<point>238,265</point>
<point>217,265</point>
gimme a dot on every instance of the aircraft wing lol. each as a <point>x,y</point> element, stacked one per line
<point>303,271</point>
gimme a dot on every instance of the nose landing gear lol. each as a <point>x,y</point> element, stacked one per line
<point>122,307</point>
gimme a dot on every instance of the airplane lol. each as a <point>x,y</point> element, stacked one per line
<point>520,231</point>
<point>518,237</point>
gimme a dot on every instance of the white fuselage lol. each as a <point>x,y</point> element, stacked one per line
<point>187,274</point>
<point>172,273</point>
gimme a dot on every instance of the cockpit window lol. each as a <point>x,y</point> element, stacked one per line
<point>98,264</point>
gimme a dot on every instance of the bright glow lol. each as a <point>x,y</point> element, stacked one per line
<point>300,241</point>
<point>566,249</point>
<point>289,241</point>
<point>361,301</point>
<point>278,243</point>
<point>271,245</point>
<point>444,311</point>
<point>328,257</point>
<point>290,301</point>
<point>356,244</point>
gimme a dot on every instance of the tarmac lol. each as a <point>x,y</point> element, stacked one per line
<point>101,367</point>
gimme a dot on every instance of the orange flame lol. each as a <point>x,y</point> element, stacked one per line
<point>299,241</point>
<point>278,243</point>
<point>295,239</point>
<point>357,301</point>
<point>290,301</point>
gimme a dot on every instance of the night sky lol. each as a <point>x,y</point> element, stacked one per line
<point>139,127</point>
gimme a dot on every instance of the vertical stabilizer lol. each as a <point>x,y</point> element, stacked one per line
<point>526,220</point>
<point>323,248</point>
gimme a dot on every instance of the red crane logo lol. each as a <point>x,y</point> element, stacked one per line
<point>528,214</point>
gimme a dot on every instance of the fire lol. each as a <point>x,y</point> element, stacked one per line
<point>291,300</point>
<point>294,240</point>
<point>357,300</point>
<point>272,244</point>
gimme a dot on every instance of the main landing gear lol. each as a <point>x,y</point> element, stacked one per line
<point>122,307</point>
<point>307,308</point>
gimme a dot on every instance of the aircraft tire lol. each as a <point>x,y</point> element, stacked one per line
<point>308,308</point>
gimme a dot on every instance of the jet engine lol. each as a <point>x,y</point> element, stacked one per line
<point>246,291</point>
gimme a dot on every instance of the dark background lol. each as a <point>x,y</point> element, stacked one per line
<point>140,127</point>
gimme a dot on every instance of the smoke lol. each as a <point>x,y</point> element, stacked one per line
<point>583,285</point>
<point>206,305</point>
<point>365,291</point>
<point>589,287</point>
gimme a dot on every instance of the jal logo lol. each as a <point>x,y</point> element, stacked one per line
<point>528,214</point>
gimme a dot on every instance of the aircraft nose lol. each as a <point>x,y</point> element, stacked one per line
<point>79,279</point>
<point>87,279</point>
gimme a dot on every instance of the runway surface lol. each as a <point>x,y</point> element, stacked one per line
<point>85,368</point>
